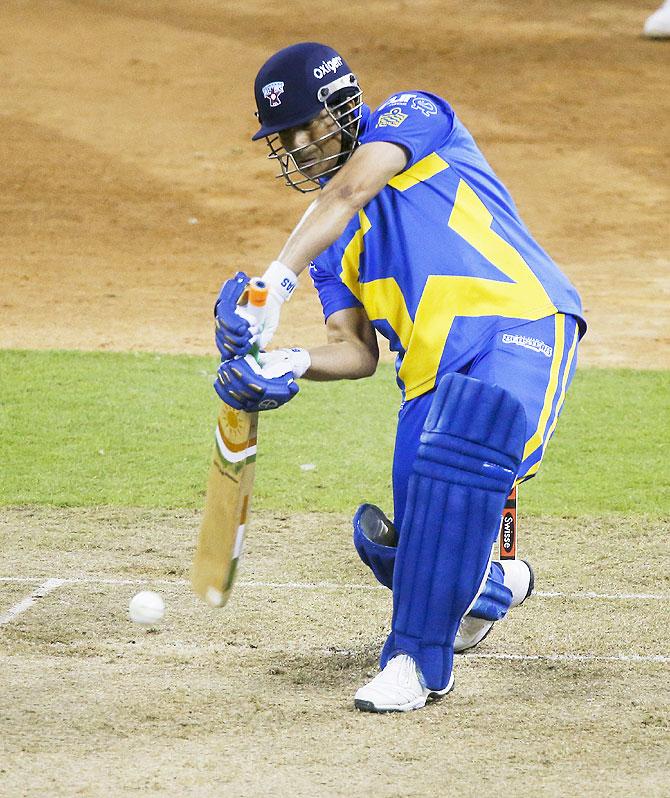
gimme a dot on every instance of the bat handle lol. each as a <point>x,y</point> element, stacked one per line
<point>255,308</point>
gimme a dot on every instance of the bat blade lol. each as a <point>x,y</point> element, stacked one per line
<point>229,487</point>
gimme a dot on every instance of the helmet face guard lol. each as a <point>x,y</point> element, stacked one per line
<point>342,99</point>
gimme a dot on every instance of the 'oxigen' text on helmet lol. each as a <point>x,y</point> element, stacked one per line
<point>332,65</point>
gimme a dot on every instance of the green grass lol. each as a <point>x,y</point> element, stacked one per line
<point>83,429</point>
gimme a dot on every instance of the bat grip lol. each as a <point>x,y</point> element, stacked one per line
<point>255,308</point>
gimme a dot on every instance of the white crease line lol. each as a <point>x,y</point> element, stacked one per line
<point>194,648</point>
<point>51,584</point>
<point>310,585</point>
<point>328,586</point>
<point>583,595</point>
<point>570,657</point>
<point>28,601</point>
<point>607,596</point>
<point>460,658</point>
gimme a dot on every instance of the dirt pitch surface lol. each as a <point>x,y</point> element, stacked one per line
<point>129,188</point>
<point>570,696</point>
<point>128,191</point>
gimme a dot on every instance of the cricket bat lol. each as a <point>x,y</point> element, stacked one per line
<point>229,486</point>
<point>508,527</point>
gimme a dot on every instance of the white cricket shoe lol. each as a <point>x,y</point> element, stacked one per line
<point>519,578</point>
<point>657,25</point>
<point>398,688</point>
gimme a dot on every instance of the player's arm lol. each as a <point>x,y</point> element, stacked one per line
<point>351,351</point>
<point>350,354</point>
<point>363,176</point>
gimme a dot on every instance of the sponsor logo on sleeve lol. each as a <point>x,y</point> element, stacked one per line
<point>535,344</point>
<point>392,118</point>
<point>332,65</point>
<point>271,92</point>
<point>426,106</point>
<point>397,99</point>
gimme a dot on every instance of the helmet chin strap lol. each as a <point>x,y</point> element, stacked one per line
<point>346,114</point>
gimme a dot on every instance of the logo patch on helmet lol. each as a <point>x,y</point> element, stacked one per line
<point>272,91</point>
<point>393,118</point>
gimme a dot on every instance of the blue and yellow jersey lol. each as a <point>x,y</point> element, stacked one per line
<point>440,258</point>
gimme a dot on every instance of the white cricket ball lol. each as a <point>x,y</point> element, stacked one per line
<point>146,607</point>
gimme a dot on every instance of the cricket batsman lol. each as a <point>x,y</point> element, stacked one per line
<point>412,235</point>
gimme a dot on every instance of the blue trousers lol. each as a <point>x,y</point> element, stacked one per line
<point>535,361</point>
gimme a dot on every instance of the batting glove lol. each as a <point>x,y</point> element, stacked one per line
<point>281,361</point>
<point>234,334</point>
<point>281,282</point>
<point>243,384</point>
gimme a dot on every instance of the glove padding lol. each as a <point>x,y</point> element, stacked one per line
<point>234,334</point>
<point>245,385</point>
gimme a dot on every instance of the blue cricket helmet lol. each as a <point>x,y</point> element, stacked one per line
<point>293,85</point>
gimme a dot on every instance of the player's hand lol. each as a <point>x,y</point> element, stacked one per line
<point>244,384</point>
<point>281,282</point>
<point>281,361</point>
<point>234,335</point>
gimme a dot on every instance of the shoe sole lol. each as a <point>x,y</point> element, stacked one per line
<point>433,695</point>
<point>531,587</point>
<point>474,645</point>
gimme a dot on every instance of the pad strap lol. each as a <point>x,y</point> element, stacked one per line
<point>494,601</point>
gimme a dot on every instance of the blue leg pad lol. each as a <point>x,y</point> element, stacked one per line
<point>379,559</point>
<point>495,599</point>
<point>470,451</point>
